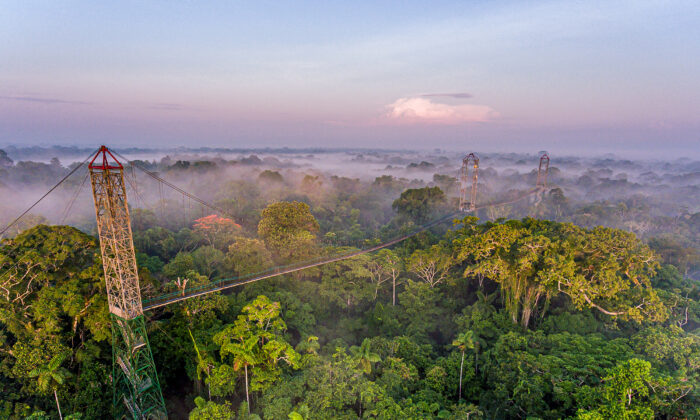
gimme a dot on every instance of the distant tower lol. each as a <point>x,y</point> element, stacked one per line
<point>464,179</point>
<point>136,390</point>
<point>543,171</point>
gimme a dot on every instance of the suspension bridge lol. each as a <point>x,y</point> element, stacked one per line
<point>136,390</point>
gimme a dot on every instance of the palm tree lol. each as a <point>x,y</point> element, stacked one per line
<point>51,376</point>
<point>243,356</point>
<point>463,342</point>
<point>364,356</point>
<point>204,364</point>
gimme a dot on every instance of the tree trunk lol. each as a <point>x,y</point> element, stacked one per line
<point>529,306</point>
<point>461,366</point>
<point>393,292</point>
<point>527,313</point>
<point>247,398</point>
<point>57,404</point>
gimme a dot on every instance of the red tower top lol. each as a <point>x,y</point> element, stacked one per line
<point>104,164</point>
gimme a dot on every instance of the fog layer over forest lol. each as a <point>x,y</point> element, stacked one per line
<point>645,197</point>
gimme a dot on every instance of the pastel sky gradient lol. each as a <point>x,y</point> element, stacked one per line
<point>574,76</point>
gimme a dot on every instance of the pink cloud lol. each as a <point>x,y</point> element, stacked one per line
<point>423,110</point>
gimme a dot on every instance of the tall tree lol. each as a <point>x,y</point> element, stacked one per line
<point>420,204</point>
<point>289,230</point>
<point>432,265</point>
<point>378,272</point>
<point>391,265</point>
<point>625,393</point>
<point>254,342</point>
<point>247,256</point>
<point>463,342</point>
<point>218,231</point>
<point>208,261</point>
<point>346,283</point>
<point>606,269</point>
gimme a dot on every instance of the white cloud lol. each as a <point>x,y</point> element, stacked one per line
<point>423,110</point>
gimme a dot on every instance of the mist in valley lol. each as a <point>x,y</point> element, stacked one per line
<point>641,196</point>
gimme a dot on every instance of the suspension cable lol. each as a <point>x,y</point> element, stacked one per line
<point>74,170</point>
<point>68,208</point>
<point>132,183</point>
<point>173,186</point>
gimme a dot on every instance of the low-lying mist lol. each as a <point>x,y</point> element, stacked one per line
<point>646,197</point>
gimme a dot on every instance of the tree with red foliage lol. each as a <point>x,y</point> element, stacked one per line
<point>218,231</point>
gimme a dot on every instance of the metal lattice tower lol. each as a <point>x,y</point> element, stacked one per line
<point>464,180</point>
<point>543,171</point>
<point>136,390</point>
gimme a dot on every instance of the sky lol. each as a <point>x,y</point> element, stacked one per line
<point>569,77</point>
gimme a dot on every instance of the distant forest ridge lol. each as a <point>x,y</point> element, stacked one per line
<point>47,152</point>
<point>19,153</point>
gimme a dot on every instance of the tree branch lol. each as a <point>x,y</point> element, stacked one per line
<point>595,305</point>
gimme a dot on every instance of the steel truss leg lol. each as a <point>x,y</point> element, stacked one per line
<point>136,389</point>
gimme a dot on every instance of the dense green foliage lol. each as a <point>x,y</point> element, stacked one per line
<point>53,317</point>
<point>333,345</point>
<point>496,319</point>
